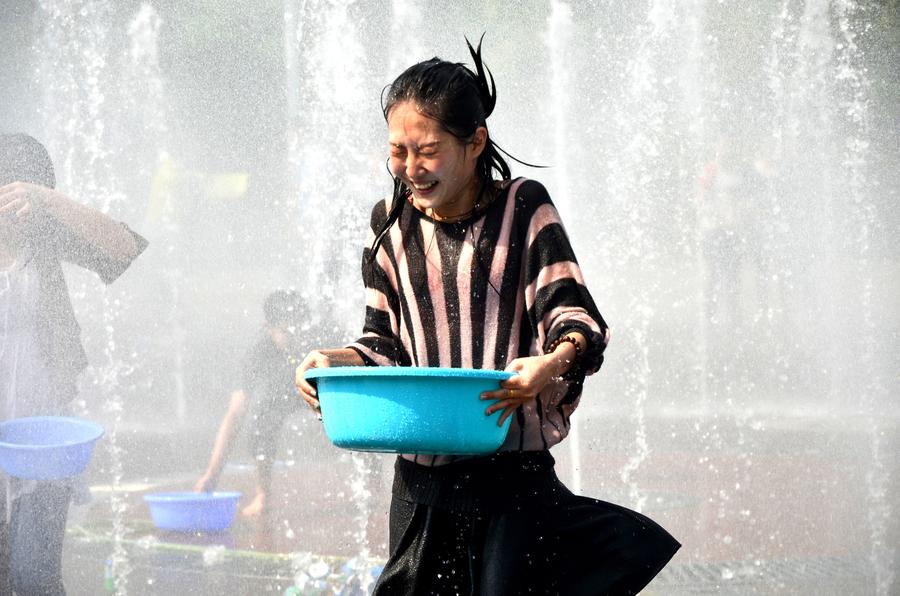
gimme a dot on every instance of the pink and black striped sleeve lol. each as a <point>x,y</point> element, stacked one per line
<point>380,343</point>
<point>556,297</point>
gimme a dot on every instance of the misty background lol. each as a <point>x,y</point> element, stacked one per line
<point>246,142</point>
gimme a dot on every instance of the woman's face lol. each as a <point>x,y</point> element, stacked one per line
<point>438,168</point>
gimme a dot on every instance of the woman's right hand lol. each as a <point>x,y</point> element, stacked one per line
<point>315,359</point>
<point>322,359</point>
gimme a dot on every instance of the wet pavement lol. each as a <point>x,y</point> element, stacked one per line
<point>763,505</point>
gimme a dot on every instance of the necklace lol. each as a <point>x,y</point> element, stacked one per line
<point>478,206</point>
<point>454,218</point>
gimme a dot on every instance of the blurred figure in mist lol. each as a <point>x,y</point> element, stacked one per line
<point>722,245</point>
<point>765,228</point>
<point>41,354</point>
<point>267,393</point>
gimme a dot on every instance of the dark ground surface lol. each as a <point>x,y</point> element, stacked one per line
<point>761,506</point>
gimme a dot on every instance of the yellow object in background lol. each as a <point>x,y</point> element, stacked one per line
<point>173,184</point>
<point>229,186</point>
<point>159,203</point>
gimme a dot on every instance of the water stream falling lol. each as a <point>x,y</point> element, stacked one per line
<point>92,99</point>
<point>335,133</point>
<point>558,40</point>
<point>80,136</point>
<point>336,143</point>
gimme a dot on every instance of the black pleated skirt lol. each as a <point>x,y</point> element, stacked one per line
<point>505,525</point>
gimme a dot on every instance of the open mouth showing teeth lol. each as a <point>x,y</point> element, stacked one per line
<point>425,186</point>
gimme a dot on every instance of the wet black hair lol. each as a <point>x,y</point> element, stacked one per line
<point>460,100</point>
<point>283,307</point>
<point>24,159</point>
<point>457,98</point>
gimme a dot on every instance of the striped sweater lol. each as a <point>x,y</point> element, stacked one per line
<point>479,293</point>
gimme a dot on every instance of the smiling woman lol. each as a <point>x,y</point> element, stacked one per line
<point>438,168</point>
<point>468,271</point>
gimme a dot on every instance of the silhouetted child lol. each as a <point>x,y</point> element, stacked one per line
<point>267,393</point>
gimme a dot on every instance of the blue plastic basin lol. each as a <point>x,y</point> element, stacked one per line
<point>47,447</point>
<point>408,409</point>
<point>193,512</point>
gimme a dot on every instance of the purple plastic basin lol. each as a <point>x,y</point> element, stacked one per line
<point>47,447</point>
<point>193,512</point>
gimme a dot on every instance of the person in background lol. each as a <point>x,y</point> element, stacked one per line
<point>266,392</point>
<point>722,190</point>
<point>41,354</point>
<point>467,270</point>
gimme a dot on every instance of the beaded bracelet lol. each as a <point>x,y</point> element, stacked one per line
<point>564,338</point>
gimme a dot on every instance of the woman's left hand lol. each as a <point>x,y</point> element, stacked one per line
<point>532,375</point>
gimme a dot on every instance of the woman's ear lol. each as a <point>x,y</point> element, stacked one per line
<point>479,141</point>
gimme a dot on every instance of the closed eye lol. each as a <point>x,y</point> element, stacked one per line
<point>428,148</point>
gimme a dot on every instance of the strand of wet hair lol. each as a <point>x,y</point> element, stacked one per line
<point>487,89</point>
<point>398,197</point>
